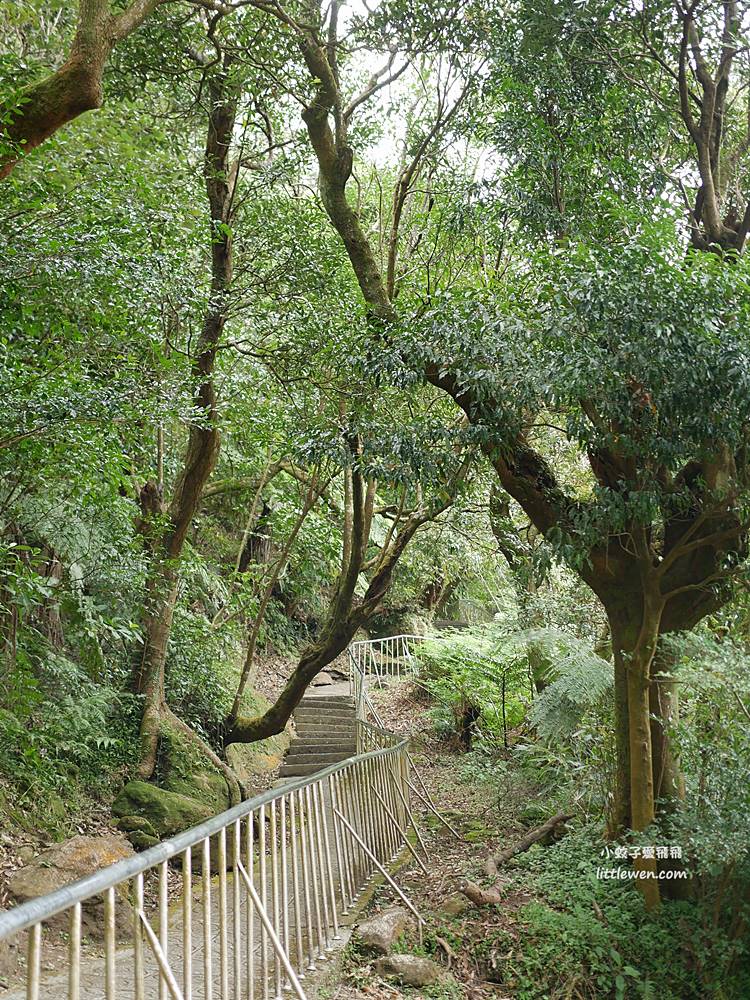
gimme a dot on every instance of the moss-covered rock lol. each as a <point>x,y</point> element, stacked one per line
<point>141,841</point>
<point>140,823</point>
<point>209,787</point>
<point>166,812</point>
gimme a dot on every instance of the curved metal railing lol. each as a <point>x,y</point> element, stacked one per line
<point>290,863</point>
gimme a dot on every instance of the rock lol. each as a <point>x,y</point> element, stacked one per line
<point>455,905</point>
<point>412,970</point>
<point>139,830</point>
<point>140,840</point>
<point>323,679</point>
<point>166,812</point>
<point>139,823</point>
<point>149,814</point>
<point>380,932</point>
<point>208,787</point>
<point>26,854</point>
<point>10,956</point>
<point>70,860</point>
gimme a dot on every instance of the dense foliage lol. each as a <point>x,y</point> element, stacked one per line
<point>322,321</point>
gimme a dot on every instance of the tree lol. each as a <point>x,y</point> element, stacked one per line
<point>165,526</point>
<point>674,531</point>
<point>346,615</point>
<point>40,109</point>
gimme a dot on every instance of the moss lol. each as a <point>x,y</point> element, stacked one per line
<point>209,787</point>
<point>136,823</point>
<point>167,812</point>
<point>178,756</point>
<point>477,832</point>
<point>251,759</point>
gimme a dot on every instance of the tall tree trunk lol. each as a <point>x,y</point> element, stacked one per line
<point>620,817</point>
<point>641,768</point>
<point>161,595</point>
<point>669,783</point>
<point>203,442</point>
<point>635,632</point>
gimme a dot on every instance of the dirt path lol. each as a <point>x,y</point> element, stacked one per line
<point>474,806</point>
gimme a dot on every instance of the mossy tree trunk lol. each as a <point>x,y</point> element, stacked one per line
<point>44,107</point>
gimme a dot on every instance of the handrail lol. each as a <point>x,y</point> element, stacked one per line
<point>22,917</point>
<point>296,858</point>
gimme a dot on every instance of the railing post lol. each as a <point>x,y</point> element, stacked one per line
<point>275,908</point>
<point>207,936</point>
<point>250,920</point>
<point>138,939</point>
<point>223,939</point>
<point>296,883</point>
<point>74,954</point>
<point>236,910</point>
<point>187,924</point>
<point>263,876</point>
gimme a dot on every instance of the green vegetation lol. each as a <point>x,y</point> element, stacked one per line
<point>322,321</point>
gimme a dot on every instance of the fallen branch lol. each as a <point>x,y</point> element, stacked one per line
<point>531,838</point>
<point>492,896</point>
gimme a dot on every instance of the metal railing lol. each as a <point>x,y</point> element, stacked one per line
<point>391,657</point>
<point>291,863</point>
<point>369,657</point>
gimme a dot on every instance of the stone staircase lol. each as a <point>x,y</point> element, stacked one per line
<point>326,734</point>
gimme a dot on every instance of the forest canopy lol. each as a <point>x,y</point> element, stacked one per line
<point>331,320</point>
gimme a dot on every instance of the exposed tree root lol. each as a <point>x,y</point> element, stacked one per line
<point>236,791</point>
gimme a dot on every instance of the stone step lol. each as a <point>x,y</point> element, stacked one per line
<point>299,770</point>
<point>321,746</point>
<point>327,756</point>
<point>316,701</point>
<point>342,740</point>
<point>326,708</point>
<point>323,759</point>
<point>334,722</point>
<point>338,734</point>
<point>323,742</point>
<point>322,721</point>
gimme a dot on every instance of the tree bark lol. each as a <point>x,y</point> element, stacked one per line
<point>44,107</point>
<point>488,897</point>
<point>669,783</point>
<point>203,442</point>
<point>620,816</point>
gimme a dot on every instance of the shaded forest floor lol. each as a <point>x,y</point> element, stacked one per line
<point>459,935</point>
<point>560,932</point>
